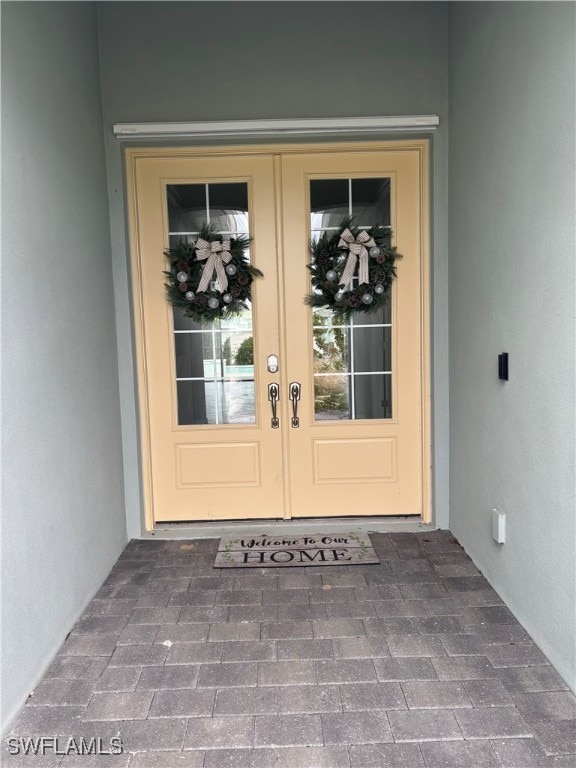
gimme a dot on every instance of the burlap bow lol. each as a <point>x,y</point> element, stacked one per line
<point>217,254</point>
<point>358,250</point>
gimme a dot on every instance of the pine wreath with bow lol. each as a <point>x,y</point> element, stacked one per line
<point>211,278</point>
<point>336,257</point>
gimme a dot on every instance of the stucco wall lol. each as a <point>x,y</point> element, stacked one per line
<point>241,60</point>
<point>512,290</point>
<point>63,507</point>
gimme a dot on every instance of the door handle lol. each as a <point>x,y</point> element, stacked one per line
<point>273,397</point>
<point>294,397</point>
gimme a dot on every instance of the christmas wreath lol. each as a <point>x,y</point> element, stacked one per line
<point>334,260</point>
<point>211,278</point>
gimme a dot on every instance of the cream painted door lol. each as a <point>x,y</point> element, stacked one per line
<point>208,446</point>
<point>358,449</point>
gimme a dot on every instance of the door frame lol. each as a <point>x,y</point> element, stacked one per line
<point>134,154</point>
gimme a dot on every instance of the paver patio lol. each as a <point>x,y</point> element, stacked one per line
<point>413,663</point>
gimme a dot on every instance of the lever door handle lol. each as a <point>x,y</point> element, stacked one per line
<point>294,394</point>
<point>274,397</point>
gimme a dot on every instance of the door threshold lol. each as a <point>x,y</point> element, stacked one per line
<point>216,529</point>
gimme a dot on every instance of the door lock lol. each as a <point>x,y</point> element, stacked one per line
<point>272,363</point>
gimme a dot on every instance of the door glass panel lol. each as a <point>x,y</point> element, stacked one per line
<point>352,360</point>
<point>331,397</point>
<point>372,397</point>
<point>381,316</point>
<point>228,208</point>
<point>186,210</point>
<point>213,354</point>
<point>214,362</point>
<point>371,202</point>
<point>371,349</point>
<point>331,347</point>
<point>225,206</point>
<point>328,203</point>
<point>192,403</point>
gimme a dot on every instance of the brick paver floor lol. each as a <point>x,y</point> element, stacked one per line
<point>413,663</point>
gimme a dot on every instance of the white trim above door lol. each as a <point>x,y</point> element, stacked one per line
<point>305,127</point>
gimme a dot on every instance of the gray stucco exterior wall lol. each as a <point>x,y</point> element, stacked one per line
<point>512,241</point>
<point>63,501</point>
<point>160,61</point>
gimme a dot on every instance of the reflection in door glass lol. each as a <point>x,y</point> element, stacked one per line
<point>353,360</point>
<point>214,362</point>
<point>192,205</point>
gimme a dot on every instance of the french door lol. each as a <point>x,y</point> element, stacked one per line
<point>351,430</point>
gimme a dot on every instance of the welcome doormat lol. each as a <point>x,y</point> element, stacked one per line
<point>349,548</point>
